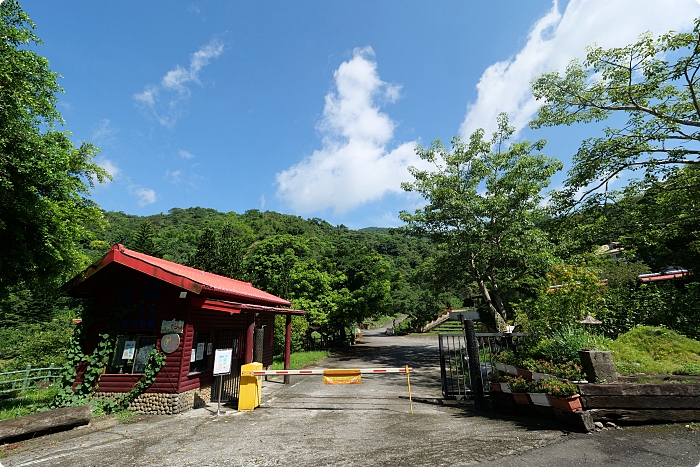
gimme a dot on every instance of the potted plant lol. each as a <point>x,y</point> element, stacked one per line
<point>505,360</point>
<point>541,369</point>
<point>497,379</point>
<point>519,386</point>
<point>562,394</point>
<point>538,395</point>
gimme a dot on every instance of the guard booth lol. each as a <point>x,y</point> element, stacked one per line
<point>148,303</point>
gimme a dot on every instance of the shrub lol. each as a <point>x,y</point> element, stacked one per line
<point>563,345</point>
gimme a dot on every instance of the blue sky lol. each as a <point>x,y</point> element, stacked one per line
<point>309,108</point>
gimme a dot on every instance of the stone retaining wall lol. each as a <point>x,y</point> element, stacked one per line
<point>165,404</point>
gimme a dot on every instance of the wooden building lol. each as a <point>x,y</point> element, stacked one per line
<point>187,313</point>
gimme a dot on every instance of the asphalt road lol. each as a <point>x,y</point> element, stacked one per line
<point>308,423</point>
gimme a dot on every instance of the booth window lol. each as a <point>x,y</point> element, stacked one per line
<point>131,353</point>
<point>201,358</point>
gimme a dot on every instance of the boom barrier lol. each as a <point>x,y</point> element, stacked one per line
<point>327,372</point>
<point>251,384</point>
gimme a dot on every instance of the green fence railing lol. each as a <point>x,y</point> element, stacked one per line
<point>21,380</point>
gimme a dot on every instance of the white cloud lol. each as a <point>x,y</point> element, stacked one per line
<point>355,164</point>
<point>104,133</point>
<point>173,85</point>
<point>109,166</point>
<point>558,37</point>
<point>174,176</point>
<point>145,195</point>
<point>185,154</point>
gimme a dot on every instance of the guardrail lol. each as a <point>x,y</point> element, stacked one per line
<point>28,378</point>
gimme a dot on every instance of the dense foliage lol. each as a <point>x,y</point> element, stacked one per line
<point>483,239</point>
<point>483,198</point>
<point>44,178</point>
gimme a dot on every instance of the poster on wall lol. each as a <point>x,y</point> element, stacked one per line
<point>129,349</point>
<point>145,346</point>
<point>209,347</point>
<point>175,326</point>
<point>200,351</point>
<point>222,361</point>
<point>192,356</point>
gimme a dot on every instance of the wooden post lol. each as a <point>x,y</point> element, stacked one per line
<point>287,347</point>
<point>477,386</point>
<point>249,337</point>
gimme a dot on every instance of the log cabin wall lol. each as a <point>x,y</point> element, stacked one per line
<point>205,321</point>
<point>149,301</point>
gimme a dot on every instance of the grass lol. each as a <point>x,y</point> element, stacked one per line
<point>656,350</point>
<point>27,403</point>
<point>299,360</point>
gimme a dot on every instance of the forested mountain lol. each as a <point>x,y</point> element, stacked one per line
<point>340,276</point>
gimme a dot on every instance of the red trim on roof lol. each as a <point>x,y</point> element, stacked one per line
<point>187,278</point>
<point>233,307</point>
<point>665,277</point>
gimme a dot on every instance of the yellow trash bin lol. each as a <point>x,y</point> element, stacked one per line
<point>250,392</point>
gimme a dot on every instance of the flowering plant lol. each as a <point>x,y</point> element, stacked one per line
<point>557,388</point>
<point>520,384</point>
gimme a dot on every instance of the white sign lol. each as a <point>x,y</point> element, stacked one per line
<point>209,348</point>
<point>193,355</point>
<point>222,361</point>
<point>200,351</point>
<point>129,349</point>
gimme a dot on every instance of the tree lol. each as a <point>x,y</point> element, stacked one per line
<point>482,206</point>
<point>654,83</point>
<point>44,178</point>
<point>146,241</point>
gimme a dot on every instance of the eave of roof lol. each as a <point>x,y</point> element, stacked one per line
<point>190,279</point>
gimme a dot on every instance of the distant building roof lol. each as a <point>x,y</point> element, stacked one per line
<point>664,276</point>
<point>190,279</point>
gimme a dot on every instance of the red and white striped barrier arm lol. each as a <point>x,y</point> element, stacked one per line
<point>328,371</point>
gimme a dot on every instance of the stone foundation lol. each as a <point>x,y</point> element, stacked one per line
<point>165,404</point>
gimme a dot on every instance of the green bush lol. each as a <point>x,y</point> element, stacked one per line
<point>563,345</point>
<point>38,344</point>
<point>654,304</point>
<point>299,327</point>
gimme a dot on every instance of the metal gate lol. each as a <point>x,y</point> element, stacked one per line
<point>454,360</point>
<point>229,339</point>
<point>454,366</point>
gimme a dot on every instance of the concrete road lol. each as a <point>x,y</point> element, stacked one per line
<point>308,423</point>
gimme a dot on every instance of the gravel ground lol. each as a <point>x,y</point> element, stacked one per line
<point>308,423</point>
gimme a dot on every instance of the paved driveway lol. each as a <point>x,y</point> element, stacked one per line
<point>307,423</point>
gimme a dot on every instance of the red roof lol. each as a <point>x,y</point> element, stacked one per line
<point>665,277</point>
<point>191,279</point>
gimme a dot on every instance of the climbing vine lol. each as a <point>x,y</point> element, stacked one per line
<point>95,364</point>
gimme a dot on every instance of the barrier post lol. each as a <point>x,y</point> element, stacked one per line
<point>250,390</point>
<point>408,380</point>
